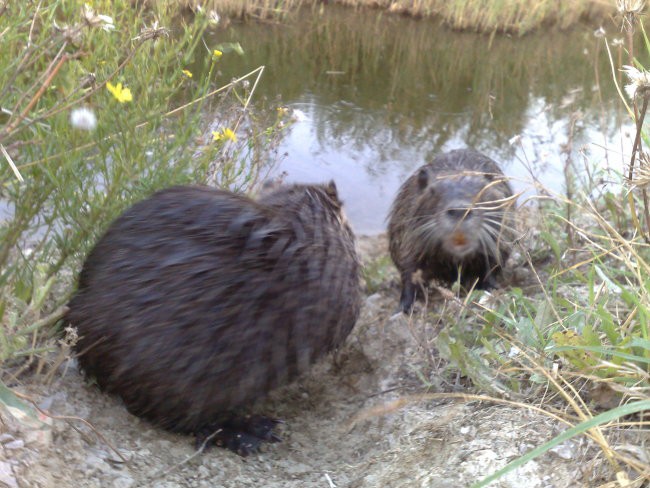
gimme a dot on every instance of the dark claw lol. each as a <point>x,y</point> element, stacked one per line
<point>242,444</point>
<point>242,435</point>
<point>260,427</point>
<point>407,298</point>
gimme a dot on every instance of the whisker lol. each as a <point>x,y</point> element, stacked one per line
<point>484,247</point>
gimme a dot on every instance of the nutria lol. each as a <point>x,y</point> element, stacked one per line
<point>198,301</point>
<point>454,214</point>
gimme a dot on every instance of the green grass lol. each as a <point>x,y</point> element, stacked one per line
<point>376,273</point>
<point>573,339</point>
<point>60,186</point>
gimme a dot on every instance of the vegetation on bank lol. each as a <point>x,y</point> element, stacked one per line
<point>487,16</point>
<point>99,109</point>
<point>574,338</point>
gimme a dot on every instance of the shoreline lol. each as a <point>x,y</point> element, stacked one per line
<point>513,17</point>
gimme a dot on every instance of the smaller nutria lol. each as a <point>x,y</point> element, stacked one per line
<point>198,301</point>
<point>455,213</point>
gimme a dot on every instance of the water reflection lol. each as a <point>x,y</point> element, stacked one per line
<point>379,95</point>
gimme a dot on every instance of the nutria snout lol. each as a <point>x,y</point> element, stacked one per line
<point>452,215</point>
<point>197,301</point>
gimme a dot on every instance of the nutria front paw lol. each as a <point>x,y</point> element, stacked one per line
<point>242,435</point>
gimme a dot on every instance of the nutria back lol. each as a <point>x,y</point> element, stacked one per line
<point>455,213</point>
<point>197,300</point>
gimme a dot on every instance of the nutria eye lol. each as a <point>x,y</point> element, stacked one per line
<point>459,213</point>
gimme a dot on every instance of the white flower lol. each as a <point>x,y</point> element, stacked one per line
<point>97,20</point>
<point>630,6</point>
<point>639,81</point>
<point>153,32</point>
<point>213,17</point>
<point>514,139</point>
<point>83,118</point>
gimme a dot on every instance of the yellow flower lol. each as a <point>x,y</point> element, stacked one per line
<point>121,94</point>
<point>223,135</point>
<point>187,73</point>
<point>229,134</point>
<point>216,54</point>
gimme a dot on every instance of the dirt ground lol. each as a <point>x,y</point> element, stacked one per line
<point>432,444</point>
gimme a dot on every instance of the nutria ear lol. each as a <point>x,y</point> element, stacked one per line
<point>331,190</point>
<point>423,178</point>
<point>268,187</point>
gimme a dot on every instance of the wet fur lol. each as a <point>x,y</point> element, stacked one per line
<point>197,300</point>
<point>461,192</point>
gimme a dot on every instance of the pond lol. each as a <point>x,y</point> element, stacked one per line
<point>377,95</point>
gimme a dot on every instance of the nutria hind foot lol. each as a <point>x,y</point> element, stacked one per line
<point>242,435</point>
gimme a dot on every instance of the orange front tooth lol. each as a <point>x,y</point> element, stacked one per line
<point>459,239</point>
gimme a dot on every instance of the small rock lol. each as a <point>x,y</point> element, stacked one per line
<point>396,317</point>
<point>524,447</point>
<point>373,300</point>
<point>123,482</point>
<point>95,463</point>
<point>297,469</point>
<point>39,437</point>
<point>468,430</point>
<point>7,475</point>
<point>4,438</point>
<point>47,402</point>
<point>566,450</point>
<point>15,444</point>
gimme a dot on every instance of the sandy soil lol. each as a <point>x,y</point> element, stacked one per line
<point>421,444</point>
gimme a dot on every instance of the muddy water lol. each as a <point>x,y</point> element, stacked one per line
<point>378,95</point>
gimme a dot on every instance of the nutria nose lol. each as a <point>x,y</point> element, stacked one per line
<point>459,213</point>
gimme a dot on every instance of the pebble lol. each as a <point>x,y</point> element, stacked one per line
<point>566,450</point>
<point>374,300</point>
<point>7,475</point>
<point>95,463</point>
<point>15,444</point>
<point>123,482</point>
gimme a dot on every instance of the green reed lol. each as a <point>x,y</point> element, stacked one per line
<point>490,16</point>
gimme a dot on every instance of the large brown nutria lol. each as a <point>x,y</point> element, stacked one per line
<point>198,301</point>
<point>454,214</point>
